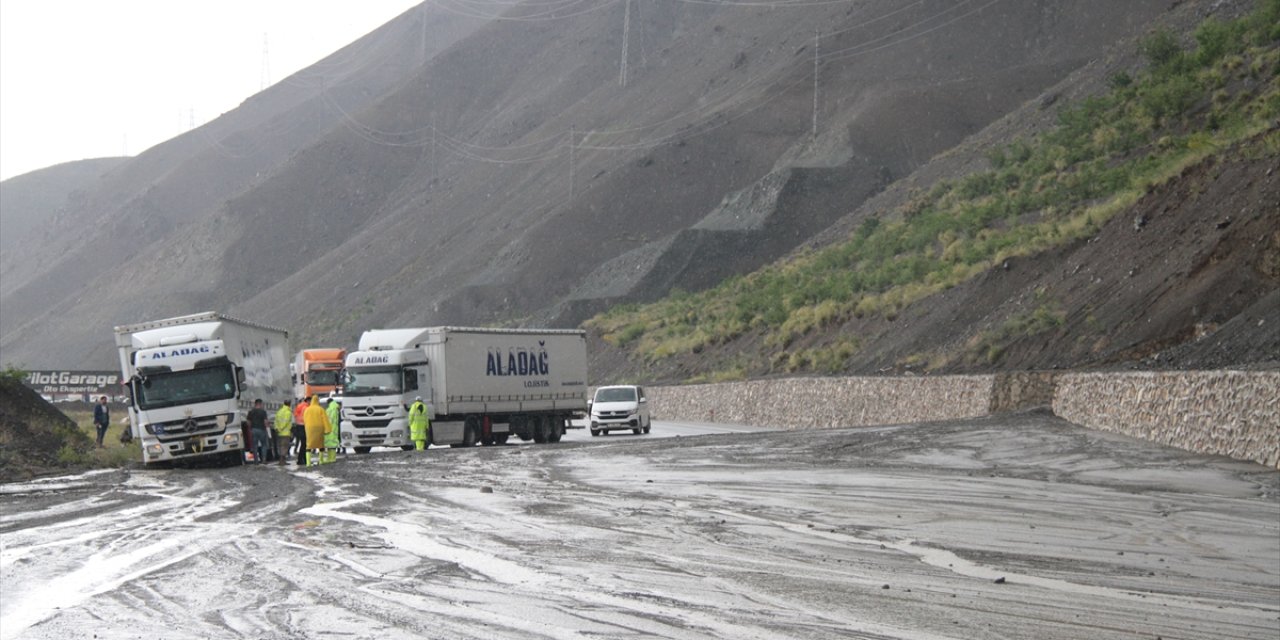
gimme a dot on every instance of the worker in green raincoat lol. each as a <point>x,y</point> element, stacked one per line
<point>331,438</point>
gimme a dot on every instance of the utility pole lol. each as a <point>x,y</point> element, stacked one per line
<point>626,36</point>
<point>265,80</point>
<point>573,134</point>
<point>814,132</point>
<point>422,44</point>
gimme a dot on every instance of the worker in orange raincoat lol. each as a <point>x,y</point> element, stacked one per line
<point>317,425</point>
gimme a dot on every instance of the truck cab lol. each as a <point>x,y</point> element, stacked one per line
<point>380,381</point>
<point>619,407</point>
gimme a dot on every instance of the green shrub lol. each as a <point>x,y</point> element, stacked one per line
<point>1161,49</point>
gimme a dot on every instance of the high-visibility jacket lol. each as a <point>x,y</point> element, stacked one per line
<point>284,420</point>
<point>334,413</point>
<point>418,421</point>
<point>317,424</point>
<point>298,411</point>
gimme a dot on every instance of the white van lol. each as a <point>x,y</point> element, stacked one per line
<point>619,407</point>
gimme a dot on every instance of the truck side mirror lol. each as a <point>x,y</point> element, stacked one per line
<point>643,399</point>
<point>240,376</point>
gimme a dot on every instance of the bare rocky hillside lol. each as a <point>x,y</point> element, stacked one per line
<point>516,174</point>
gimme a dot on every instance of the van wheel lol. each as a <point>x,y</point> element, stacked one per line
<point>637,430</point>
<point>595,432</point>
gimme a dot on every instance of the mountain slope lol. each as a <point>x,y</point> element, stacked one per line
<point>1134,227</point>
<point>512,176</point>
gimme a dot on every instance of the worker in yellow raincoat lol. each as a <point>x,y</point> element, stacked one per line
<point>419,424</point>
<point>316,423</point>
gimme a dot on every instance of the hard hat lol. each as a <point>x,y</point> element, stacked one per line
<point>419,398</point>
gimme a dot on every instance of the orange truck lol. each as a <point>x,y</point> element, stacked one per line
<point>317,372</point>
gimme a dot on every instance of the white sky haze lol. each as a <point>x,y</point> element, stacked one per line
<point>92,78</point>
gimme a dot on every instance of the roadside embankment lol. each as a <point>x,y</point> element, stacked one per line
<point>1231,413</point>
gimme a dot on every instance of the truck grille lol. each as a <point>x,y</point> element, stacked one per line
<point>371,424</point>
<point>178,428</point>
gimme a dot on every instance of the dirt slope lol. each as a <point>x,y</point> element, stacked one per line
<point>32,433</point>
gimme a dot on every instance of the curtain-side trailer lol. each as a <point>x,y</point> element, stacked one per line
<point>480,385</point>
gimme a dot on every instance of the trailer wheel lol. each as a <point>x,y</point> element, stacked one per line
<point>557,429</point>
<point>540,429</point>
<point>470,431</point>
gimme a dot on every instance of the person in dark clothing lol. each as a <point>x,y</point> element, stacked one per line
<point>101,418</point>
<point>258,431</point>
<point>300,432</point>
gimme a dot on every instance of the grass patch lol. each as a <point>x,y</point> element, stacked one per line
<point>114,454</point>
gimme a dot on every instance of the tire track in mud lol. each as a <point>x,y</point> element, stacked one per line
<point>161,520</point>
<point>625,598</point>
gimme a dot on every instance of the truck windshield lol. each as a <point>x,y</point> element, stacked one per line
<point>185,387</point>
<point>620,394</point>
<point>323,377</point>
<point>373,381</point>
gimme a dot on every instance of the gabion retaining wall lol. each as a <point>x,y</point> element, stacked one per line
<point>806,403</point>
<point>1232,413</point>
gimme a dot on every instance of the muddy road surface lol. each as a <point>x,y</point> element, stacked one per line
<point>1011,527</point>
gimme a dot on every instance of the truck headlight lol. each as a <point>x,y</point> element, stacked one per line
<point>232,439</point>
<point>154,451</point>
<point>399,433</point>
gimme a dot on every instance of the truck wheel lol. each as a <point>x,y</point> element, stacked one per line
<point>470,431</point>
<point>557,430</point>
<point>363,449</point>
<point>540,429</point>
<point>408,447</point>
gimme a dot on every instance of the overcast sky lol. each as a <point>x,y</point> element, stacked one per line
<point>94,78</point>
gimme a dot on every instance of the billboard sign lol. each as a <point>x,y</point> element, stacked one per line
<point>62,383</point>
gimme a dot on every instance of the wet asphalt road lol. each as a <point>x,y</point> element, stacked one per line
<point>1010,527</point>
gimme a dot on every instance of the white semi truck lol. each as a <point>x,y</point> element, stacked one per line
<point>192,379</point>
<point>479,385</point>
